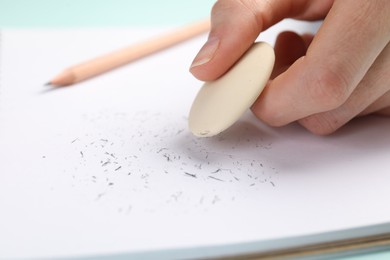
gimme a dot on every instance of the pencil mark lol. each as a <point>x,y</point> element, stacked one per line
<point>111,154</point>
<point>162,149</point>
<point>218,170</point>
<point>100,195</point>
<point>212,177</point>
<point>215,199</point>
<point>153,147</point>
<point>106,163</point>
<point>190,174</point>
<point>179,131</point>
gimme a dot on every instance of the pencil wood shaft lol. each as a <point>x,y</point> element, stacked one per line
<point>128,54</point>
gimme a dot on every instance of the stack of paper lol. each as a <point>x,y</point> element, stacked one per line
<point>109,167</point>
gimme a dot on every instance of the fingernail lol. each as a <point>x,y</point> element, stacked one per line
<point>206,53</point>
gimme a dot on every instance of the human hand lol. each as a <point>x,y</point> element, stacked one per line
<point>321,81</point>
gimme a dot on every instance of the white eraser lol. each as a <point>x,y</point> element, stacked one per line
<point>220,103</point>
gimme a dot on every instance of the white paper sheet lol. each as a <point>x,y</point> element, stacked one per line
<point>109,166</point>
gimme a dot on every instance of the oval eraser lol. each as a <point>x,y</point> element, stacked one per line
<point>220,103</point>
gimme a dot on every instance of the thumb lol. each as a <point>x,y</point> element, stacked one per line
<point>234,28</point>
<point>236,24</point>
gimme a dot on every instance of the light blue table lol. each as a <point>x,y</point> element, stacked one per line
<point>118,13</point>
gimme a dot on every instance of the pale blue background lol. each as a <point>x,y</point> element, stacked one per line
<point>97,13</point>
<point>108,13</point>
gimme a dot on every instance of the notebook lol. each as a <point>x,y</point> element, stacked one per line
<point>109,169</point>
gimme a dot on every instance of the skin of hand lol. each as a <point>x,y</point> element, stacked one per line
<point>321,81</point>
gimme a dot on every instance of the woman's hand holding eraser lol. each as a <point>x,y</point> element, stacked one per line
<point>323,80</point>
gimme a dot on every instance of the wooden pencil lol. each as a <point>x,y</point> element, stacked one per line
<point>110,61</point>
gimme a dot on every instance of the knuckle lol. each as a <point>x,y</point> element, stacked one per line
<point>370,8</point>
<point>247,10</point>
<point>320,124</point>
<point>328,88</point>
<point>268,116</point>
<point>252,6</point>
<point>219,6</point>
<point>271,120</point>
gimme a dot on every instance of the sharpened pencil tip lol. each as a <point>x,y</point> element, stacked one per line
<point>48,84</point>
